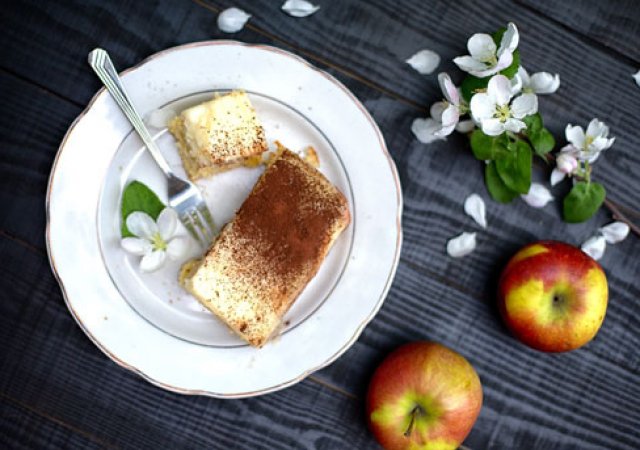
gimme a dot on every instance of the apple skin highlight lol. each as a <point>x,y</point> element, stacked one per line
<point>553,296</point>
<point>423,396</point>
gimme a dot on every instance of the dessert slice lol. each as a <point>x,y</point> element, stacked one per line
<point>272,248</point>
<point>218,135</point>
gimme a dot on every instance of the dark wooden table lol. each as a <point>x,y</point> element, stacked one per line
<point>57,390</point>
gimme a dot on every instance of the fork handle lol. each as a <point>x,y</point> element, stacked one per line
<point>101,63</point>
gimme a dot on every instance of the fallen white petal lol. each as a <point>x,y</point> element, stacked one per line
<point>152,261</point>
<point>461,245</point>
<point>159,118</point>
<point>614,232</point>
<point>557,176</point>
<point>232,20</point>
<point>136,246</point>
<point>538,196</point>
<point>177,248</point>
<point>299,8</point>
<point>425,61</point>
<point>424,130</point>
<point>545,83</point>
<point>474,206</point>
<point>465,126</point>
<point>636,77</point>
<point>595,247</point>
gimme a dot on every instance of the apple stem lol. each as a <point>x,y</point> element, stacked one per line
<point>414,412</point>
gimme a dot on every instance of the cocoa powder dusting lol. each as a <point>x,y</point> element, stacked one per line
<point>290,218</point>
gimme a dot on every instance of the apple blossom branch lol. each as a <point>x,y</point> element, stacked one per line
<point>609,204</point>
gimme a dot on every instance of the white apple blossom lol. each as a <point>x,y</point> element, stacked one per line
<point>484,57</point>
<point>566,164</point>
<point>425,61</point>
<point>538,83</point>
<point>425,129</point>
<point>154,240</point>
<point>455,106</point>
<point>496,113</point>
<point>588,146</point>
<point>538,196</point>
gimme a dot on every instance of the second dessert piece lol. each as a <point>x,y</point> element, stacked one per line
<point>218,135</point>
<point>271,249</point>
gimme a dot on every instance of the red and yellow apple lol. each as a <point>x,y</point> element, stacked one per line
<point>423,396</point>
<point>553,296</point>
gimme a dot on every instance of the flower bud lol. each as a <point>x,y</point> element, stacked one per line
<point>566,163</point>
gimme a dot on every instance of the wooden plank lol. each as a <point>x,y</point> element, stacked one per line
<point>25,428</point>
<point>614,25</point>
<point>31,134</point>
<point>49,366</point>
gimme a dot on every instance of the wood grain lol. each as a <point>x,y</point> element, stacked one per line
<point>58,390</point>
<point>614,25</point>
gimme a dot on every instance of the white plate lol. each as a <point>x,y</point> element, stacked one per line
<point>146,322</point>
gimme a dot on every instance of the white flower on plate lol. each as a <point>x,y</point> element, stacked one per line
<point>587,146</point>
<point>614,232</point>
<point>154,240</point>
<point>461,245</point>
<point>538,196</point>
<point>299,8</point>
<point>566,164</point>
<point>484,57</point>
<point>538,83</point>
<point>232,20</point>
<point>495,111</point>
<point>425,61</point>
<point>595,247</point>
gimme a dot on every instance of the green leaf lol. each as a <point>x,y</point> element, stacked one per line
<point>543,142</point>
<point>583,201</point>
<point>514,168</point>
<point>534,124</point>
<point>470,84</point>
<point>497,36</point>
<point>138,197</point>
<point>496,187</point>
<point>511,71</point>
<point>486,147</point>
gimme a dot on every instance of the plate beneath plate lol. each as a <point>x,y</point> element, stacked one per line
<point>146,324</point>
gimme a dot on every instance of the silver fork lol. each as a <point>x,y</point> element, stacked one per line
<point>183,195</point>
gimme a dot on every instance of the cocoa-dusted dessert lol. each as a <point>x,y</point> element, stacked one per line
<point>217,135</point>
<point>272,248</point>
